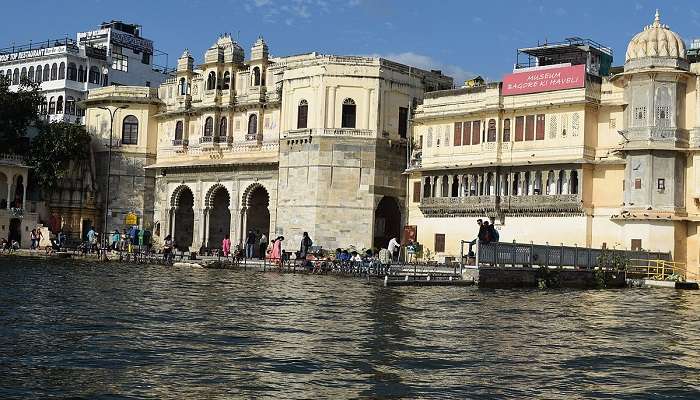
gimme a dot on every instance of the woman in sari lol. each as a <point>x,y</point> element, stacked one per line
<point>276,255</point>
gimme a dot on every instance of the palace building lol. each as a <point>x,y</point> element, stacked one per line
<point>278,145</point>
<point>566,149</point>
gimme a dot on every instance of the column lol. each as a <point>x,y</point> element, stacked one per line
<point>232,225</point>
<point>9,191</point>
<point>173,212</point>
<point>243,226</point>
<point>321,101</point>
<point>460,186</point>
<point>331,107</point>
<point>438,186</point>
<point>565,182</point>
<point>205,227</point>
<point>24,192</point>
<point>480,185</point>
<point>531,184</point>
<point>368,104</point>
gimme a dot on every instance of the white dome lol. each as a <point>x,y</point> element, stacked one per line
<point>656,40</point>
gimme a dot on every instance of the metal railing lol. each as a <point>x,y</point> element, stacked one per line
<point>181,142</point>
<point>660,270</point>
<point>522,254</point>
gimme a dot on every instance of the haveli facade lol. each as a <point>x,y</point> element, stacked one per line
<point>568,151</point>
<point>279,145</point>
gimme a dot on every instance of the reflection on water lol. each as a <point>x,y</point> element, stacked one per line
<point>96,331</point>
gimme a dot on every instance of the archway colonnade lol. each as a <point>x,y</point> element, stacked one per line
<point>194,224</point>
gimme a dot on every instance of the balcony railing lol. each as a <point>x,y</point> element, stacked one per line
<point>569,204</point>
<point>206,139</point>
<point>329,132</point>
<point>181,142</point>
<point>251,137</point>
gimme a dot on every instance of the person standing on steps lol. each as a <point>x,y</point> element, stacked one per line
<point>226,246</point>
<point>394,249</point>
<point>250,244</point>
<point>306,244</point>
<point>263,246</point>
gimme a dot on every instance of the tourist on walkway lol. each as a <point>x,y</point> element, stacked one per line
<point>481,237</point>
<point>116,237</point>
<point>491,234</point>
<point>250,244</point>
<point>393,248</point>
<point>91,239</point>
<point>61,237</point>
<point>226,246</point>
<point>276,254</point>
<point>306,243</point>
<point>168,249</point>
<point>263,246</point>
<point>32,240</point>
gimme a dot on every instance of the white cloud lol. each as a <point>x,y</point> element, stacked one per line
<point>477,20</point>
<point>290,11</point>
<point>426,62</point>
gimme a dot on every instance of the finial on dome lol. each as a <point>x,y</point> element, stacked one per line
<point>657,18</point>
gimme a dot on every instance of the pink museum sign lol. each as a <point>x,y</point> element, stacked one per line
<point>544,80</point>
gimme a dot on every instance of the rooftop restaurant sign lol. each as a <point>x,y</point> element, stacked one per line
<point>21,55</point>
<point>544,80</point>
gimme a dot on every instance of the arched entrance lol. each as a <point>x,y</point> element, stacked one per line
<point>219,218</point>
<point>257,215</point>
<point>387,222</point>
<point>183,217</point>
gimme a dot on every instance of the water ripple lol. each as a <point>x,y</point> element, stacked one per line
<point>116,332</point>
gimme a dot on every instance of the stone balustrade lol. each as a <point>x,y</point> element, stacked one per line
<point>348,132</point>
<point>495,205</point>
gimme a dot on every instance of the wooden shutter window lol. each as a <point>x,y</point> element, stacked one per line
<point>476,132</point>
<point>491,134</point>
<point>530,127</point>
<point>458,134</point>
<point>519,129</point>
<point>467,133</point>
<point>539,130</point>
<point>416,192</point>
<point>439,242</point>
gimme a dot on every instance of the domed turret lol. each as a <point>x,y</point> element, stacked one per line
<point>185,62</point>
<point>656,46</point>
<point>233,52</point>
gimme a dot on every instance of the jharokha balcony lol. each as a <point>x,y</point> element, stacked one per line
<point>557,204</point>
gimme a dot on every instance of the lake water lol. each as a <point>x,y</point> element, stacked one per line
<point>116,331</point>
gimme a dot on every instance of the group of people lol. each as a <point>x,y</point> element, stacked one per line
<point>487,234</point>
<point>255,242</point>
<point>127,240</point>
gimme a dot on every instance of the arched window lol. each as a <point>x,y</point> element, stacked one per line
<point>506,130</point>
<point>209,126</point>
<point>94,75</point>
<point>223,127</point>
<point>130,130</point>
<point>30,74</point>
<point>211,81</point>
<point>178,130</point>
<point>54,71</point>
<point>15,77</point>
<point>182,87</point>
<point>256,76</point>
<point>302,114</point>
<point>81,73</point>
<point>491,134</point>
<point>72,72</point>
<point>23,74</point>
<point>573,182</point>
<point>253,124</point>
<point>47,71</point>
<point>44,105</point>
<point>62,71</point>
<point>52,105</point>
<point>8,74</point>
<point>59,105</point>
<point>227,80</point>
<point>427,192</point>
<point>348,113</point>
<point>70,105</point>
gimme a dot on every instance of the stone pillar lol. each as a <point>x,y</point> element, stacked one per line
<point>244,224</point>
<point>173,212</point>
<point>438,186</point>
<point>331,107</point>
<point>531,184</point>
<point>566,181</point>
<point>368,102</point>
<point>232,225</point>
<point>579,182</point>
<point>480,185</point>
<point>24,191</point>
<point>460,186</point>
<point>9,191</point>
<point>205,227</point>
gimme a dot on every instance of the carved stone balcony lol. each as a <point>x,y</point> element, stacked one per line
<point>458,206</point>
<point>542,204</point>
<point>560,204</point>
<point>253,137</point>
<point>206,139</point>
<point>180,142</point>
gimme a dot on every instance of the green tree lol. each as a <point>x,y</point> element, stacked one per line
<point>18,111</point>
<point>53,149</point>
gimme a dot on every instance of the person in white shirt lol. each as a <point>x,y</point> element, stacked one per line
<point>394,249</point>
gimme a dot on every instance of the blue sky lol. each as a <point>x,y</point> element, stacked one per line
<point>459,37</point>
